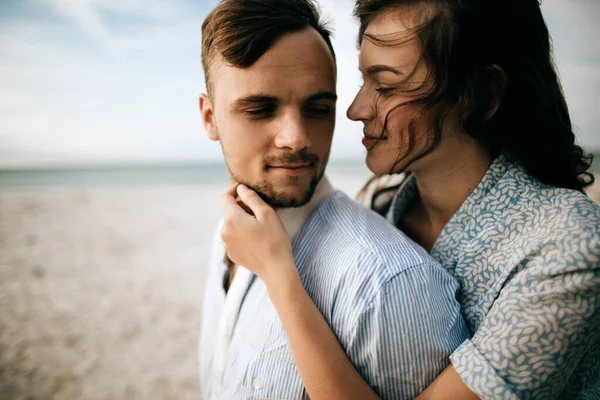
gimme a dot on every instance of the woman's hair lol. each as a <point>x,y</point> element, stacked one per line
<point>484,54</point>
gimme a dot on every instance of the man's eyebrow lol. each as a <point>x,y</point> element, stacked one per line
<point>375,69</point>
<point>254,100</point>
<point>322,96</point>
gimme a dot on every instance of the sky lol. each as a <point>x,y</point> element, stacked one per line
<point>113,82</point>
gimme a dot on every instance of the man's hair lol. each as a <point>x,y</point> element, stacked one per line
<point>241,31</point>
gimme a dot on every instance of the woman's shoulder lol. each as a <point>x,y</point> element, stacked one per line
<point>549,205</point>
<point>517,217</point>
<point>539,219</point>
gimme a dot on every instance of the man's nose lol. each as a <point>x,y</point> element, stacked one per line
<point>293,134</point>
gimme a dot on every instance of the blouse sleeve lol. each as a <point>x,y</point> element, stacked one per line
<point>544,321</point>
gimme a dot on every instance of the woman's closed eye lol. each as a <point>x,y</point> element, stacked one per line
<point>385,90</point>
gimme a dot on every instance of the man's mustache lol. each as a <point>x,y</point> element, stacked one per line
<point>289,158</point>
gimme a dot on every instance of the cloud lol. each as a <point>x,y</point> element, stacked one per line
<point>575,31</point>
<point>94,95</point>
<point>91,15</point>
<point>64,101</point>
<point>348,135</point>
<point>112,81</point>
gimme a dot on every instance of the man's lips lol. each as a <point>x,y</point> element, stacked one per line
<point>293,169</point>
<point>292,165</point>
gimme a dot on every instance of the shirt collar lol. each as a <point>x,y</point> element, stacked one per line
<point>501,184</point>
<point>408,191</point>
<point>294,218</point>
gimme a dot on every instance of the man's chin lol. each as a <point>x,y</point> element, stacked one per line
<point>285,199</point>
<point>286,196</point>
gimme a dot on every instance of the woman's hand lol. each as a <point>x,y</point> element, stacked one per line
<point>254,236</point>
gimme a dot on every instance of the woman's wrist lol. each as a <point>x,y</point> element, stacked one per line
<point>287,295</point>
<point>282,278</point>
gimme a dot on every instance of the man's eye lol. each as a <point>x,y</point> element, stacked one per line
<point>263,112</point>
<point>318,111</point>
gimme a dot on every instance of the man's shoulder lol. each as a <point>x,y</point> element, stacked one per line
<point>343,218</point>
<point>346,214</point>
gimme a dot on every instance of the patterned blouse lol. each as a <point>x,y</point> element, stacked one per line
<point>527,256</point>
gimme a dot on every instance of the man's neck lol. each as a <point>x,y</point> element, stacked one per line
<point>294,218</point>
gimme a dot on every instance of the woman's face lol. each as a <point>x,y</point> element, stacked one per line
<point>393,73</point>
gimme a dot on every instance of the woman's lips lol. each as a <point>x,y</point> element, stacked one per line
<point>370,141</point>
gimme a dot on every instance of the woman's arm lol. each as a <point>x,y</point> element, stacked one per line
<point>541,329</point>
<point>448,385</point>
<point>324,367</point>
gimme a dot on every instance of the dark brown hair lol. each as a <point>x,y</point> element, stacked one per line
<point>461,42</point>
<point>241,31</point>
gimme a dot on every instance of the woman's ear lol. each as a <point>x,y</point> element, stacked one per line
<point>498,83</point>
<point>208,117</point>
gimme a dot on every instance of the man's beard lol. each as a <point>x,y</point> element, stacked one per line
<point>267,192</point>
<point>281,200</point>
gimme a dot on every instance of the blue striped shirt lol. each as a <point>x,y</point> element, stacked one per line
<point>391,306</point>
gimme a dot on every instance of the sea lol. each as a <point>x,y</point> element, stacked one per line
<point>158,175</point>
<point>146,175</point>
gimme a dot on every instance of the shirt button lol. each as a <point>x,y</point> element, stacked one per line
<point>257,384</point>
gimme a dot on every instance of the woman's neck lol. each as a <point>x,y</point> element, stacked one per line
<point>445,181</point>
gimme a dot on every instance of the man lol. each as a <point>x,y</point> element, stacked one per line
<point>271,77</point>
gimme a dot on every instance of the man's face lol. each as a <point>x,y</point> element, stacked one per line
<point>275,119</point>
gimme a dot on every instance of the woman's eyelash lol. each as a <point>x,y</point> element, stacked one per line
<point>385,90</point>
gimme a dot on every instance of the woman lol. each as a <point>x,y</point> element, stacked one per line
<point>463,96</point>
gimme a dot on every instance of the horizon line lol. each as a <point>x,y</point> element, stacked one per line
<point>137,165</point>
<point>99,166</point>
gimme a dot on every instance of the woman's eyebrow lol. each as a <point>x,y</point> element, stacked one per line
<point>375,69</point>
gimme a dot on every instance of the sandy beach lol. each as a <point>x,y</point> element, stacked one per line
<point>101,288</point>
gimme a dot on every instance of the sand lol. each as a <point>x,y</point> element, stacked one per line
<point>101,289</point>
<point>100,292</point>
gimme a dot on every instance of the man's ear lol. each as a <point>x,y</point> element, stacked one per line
<point>498,82</point>
<point>208,116</point>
